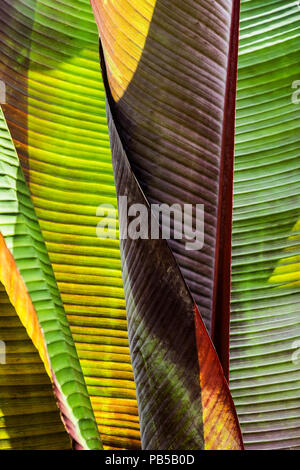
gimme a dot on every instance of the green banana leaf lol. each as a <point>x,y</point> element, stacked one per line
<point>26,273</point>
<point>29,417</point>
<point>55,109</point>
<point>56,112</point>
<point>265,321</point>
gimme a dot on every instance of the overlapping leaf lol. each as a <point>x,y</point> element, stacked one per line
<point>170,69</point>
<point>183,398</point>
<point>55,110</point>
<point>29,417</point>
<point>167,66</point>
<point>27,276</point>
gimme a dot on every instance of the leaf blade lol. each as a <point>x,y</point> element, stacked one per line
<point>265,323</point>
<point>36,299</point>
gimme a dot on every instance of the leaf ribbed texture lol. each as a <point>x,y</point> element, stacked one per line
<point>167,72</point>
<point>182,403</point>
<point>29,416</point>
<point>183,397</point>
<point>265,323</point>
<point>55,110</point>
<point>28,278</point>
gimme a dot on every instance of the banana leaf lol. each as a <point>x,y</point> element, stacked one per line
<point>171,69</point>
<point>59,127</point>
<point>183,397</point>
<point>27,276</point>
<point>56,113</point>
<point>169,72</point>
<point>29,416</point>
<point>265,321</point>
